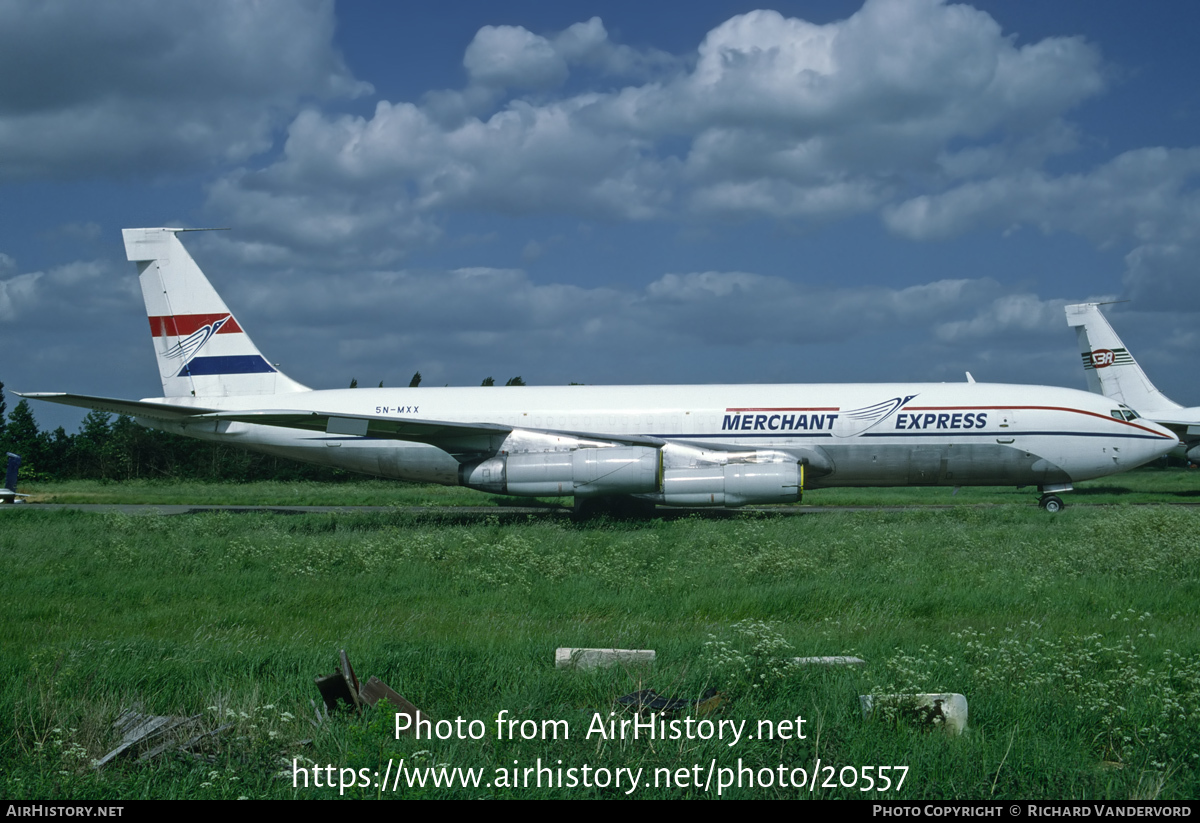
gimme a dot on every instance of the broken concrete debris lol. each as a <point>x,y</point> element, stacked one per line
<point>566,658</point>
<point>947,710</point>
<point>570,658</point>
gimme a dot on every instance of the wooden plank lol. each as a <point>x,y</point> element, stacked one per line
<point>137,728</point>
<point>376,690</point>
<point>348,673</point>
<point>172,740</point>
<point>334,688</point>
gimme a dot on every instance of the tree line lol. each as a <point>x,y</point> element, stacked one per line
<point>109,447</point>
<point>416,381</point>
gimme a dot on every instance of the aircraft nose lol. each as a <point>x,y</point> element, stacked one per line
<point>1175,441</point>
<point>1158,446</point>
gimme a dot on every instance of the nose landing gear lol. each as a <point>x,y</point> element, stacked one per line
<point>1051,503</point>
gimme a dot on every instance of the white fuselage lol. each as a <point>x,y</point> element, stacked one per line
<point>845,434</point>
<point>727,445</point>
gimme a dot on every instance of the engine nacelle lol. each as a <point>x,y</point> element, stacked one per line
<point>617,470</point>
<point>582,472</point>
<point>1193,454</point>
<point>733,484</point>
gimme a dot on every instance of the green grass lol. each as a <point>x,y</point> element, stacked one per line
<point>1074,637</point>
<point>365,492</point>
<point>1148,485</point>
<point>1145,485</point>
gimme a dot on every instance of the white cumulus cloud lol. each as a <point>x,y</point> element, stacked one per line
<point>771,116</point>
<point>111,88</point>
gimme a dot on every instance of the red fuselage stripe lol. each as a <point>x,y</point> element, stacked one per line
<point>1035,408</point>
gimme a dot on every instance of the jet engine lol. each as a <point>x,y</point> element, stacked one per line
<point>733,484</point>
<point>588,472</point>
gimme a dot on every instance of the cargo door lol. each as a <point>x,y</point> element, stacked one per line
<point>926,466</point>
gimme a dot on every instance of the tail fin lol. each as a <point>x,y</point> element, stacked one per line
<point>202,351</point>
<point>10,478</point>
<point>1110,368</point>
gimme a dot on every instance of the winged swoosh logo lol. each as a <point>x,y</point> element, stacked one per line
<point>857,421</point>
<point>186,348</point>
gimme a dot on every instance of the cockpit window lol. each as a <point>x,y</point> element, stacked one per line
<point>1117,414</point>
<point>1124,413</point>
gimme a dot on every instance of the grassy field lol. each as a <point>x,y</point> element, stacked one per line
<point>1151,485</point>
<point>1075,638</point>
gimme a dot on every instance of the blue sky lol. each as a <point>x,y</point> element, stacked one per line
<point>606,192</point>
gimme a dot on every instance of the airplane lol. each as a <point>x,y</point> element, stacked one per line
<point>1112,372</point>
<point>9,493</point>
<point>613,447</point>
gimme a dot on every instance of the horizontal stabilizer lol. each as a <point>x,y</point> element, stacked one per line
<point>133,408</point>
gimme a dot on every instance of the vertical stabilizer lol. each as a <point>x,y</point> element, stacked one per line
<point>201,348</point>
<point>1110,368</point>
<point>10,477</point>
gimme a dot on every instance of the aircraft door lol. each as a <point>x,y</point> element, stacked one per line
<point>926,466</point>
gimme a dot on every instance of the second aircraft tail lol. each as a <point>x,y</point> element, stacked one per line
<point>1110,368</point>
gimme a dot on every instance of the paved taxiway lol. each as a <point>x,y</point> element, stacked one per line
<point>498,511</point>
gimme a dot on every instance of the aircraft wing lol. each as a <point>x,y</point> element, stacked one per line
<point>469,440</point>
<point>455,438</point>
<point>133,408</point>
<point>362,425</point>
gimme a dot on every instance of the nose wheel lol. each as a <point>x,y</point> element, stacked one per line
<point>1051,503</point>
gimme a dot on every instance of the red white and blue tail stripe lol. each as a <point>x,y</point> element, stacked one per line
<point>201,348</point>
